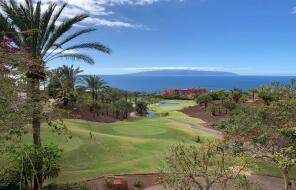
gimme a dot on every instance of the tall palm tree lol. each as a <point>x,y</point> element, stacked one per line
<point>67,78</point>
<point>95,85</point>
<point>70,75</point>
<point>29,26</point>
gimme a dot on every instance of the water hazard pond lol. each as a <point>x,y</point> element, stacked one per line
<point>167,104</point>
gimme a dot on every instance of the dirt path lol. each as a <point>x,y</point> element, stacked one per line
<point>267,182</point>
<point>199,127</point>
<point>150,182</point>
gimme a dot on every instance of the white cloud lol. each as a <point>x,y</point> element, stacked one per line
<point>99,10</point>
<point>109,23</point>
<point>293,10</point>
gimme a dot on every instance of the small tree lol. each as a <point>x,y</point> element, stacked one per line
<point>267,97</point>
<point>269,132</point>
<point>204,99</point>
<point>141,107</point>
<point>206,167</point>
<point>229,105</point>
<point>236,94</point>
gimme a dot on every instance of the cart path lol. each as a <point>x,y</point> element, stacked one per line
<point>199,127</point>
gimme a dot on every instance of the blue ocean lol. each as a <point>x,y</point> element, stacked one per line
<point>158,83</point>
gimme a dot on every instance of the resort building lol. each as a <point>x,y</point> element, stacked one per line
<point>183,92</point>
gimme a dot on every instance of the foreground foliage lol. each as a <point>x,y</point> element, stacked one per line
<point>210,166</point>
<point>268,130</point>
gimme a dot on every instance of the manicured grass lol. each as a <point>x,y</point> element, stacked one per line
<point>268,168</point>
<point>130,146</point>
<point>173,110</point>
<point>134,145</point>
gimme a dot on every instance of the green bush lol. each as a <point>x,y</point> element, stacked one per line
<point>229,105</point>
<point>197,139</point>
<point>9,180</point>
<point>138,183</point>
<point>219,125</point>
<point>164,114</point>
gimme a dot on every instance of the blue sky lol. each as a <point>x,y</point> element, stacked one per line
<point>253,37</point>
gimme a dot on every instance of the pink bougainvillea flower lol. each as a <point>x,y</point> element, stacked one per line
<point>6,46</point>
<point>7,40</point>
<point>12,50</point>
<point>27,49</point>
<point>26,60</point>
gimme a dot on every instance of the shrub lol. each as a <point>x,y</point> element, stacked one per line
<point>219,125</point>
<point>138,183</point>
<point>9,179</point>
<point>229,105</point>
<point>197,139</point>
<point>164,114</point>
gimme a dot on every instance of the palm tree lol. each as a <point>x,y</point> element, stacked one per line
<point>204,99</point>
<point>253,91</point>
<point>70,75</point>
<point>95,85</point>
<point>31,27</point>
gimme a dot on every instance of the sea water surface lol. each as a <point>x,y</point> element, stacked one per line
<point>159,83</point>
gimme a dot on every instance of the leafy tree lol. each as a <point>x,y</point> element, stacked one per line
<point>46,41</point>
<point>141,107</point>
<point>236,95</point>
<point>204,99</point>
<point>54,83</point>
<point>266,96</point>
<point>222,95</point>
<point>270,130</point>
<point>207,167</point>
<point>21,162</point>
<point>229,105</point>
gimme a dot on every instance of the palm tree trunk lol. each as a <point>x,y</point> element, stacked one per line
<point>34,94</point>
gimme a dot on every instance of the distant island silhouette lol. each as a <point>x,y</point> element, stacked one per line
<point>178,72</point>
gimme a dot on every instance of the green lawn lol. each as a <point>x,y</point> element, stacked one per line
<point>130,146</point>
<point>135,145</point>
<point>173,110</point>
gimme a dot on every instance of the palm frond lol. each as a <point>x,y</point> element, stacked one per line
<point>75,35</point>
<point>69,38</point>
<point>36,25</point>
<point>51,27</point>
<point>95,46</point>
<point>75,57</point>
<point>44,23</point>
<point>60,30</point>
